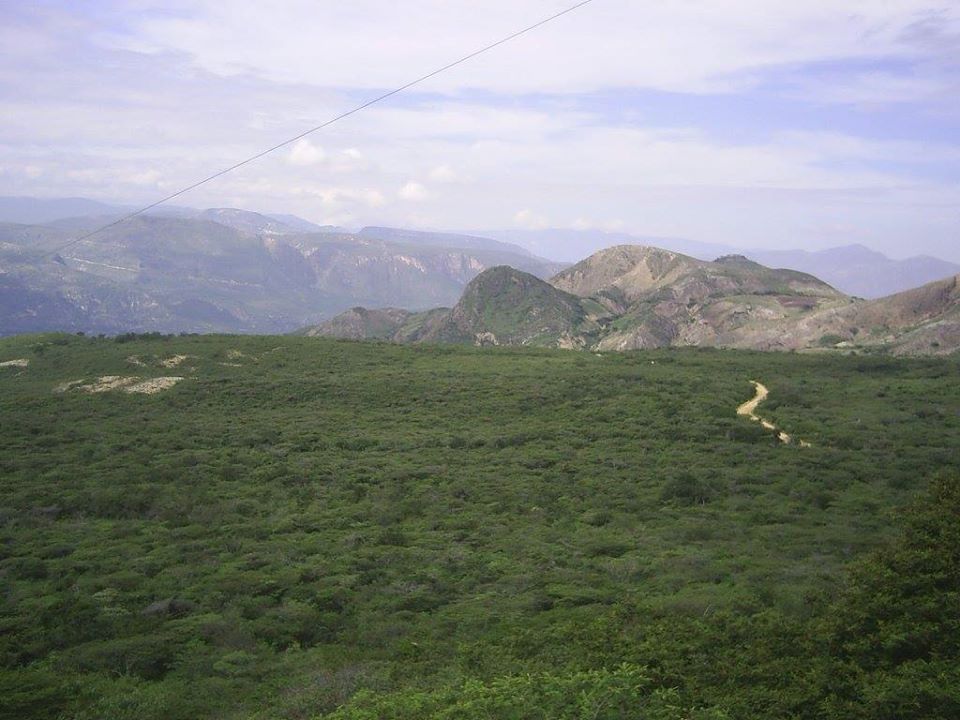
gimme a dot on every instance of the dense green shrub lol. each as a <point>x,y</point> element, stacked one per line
<point>622,693</point>
<point>453,531</point>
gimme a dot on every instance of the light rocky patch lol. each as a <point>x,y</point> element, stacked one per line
<point>172,362</point>
<point>134,360</point>
<point>70,384</point>
<point>235,354</point>
<point>567,341</point>
<point>128,384</point>
<point>107,383</point>
<point>19,363</point>
<point>153,386</point>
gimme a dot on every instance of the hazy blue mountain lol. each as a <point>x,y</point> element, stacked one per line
<point>37,211</point>
<point>251,223</point>
<point>76,212</point>
<point>301,225</point>
<point>860,271</point>
<point>437,239</point>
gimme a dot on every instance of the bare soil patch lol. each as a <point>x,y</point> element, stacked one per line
<point>128,384</point>
<point>172,362</point>
<point>153,386</point>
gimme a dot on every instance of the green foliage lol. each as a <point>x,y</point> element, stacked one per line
<point>36,693</point>
<point>622,693</point>
<point>830,339</point>
<point>685,489</point>
<point>896,630</point>
<point>303,527</point>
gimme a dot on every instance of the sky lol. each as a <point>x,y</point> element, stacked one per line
<point>768,124</point>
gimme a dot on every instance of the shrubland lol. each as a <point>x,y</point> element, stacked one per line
<point>305,528</point>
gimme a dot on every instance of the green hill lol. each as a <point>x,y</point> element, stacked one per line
<point>501,306</point>
<point>510,307</point>
<point>283,527</point>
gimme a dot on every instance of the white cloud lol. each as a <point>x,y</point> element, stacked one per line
<point>582,223</point>
<point>468,155</point>
<point>333,198</point>
<point>305,153</point>
<point>529,220</point>
<point>349,161</point>
<point>693,46</point>
<point>413,192</point>
<point>443,174</point>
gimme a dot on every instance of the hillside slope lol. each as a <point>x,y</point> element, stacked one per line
<point>503,306</point>
<point>222,270</point>
<point>925,320</point>
<point>633,297</point>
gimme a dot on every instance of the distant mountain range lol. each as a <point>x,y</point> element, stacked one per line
<point>226,270</point>
<point>632,297</point>
<point>180,269</point>
<point>38,211</point>
<point>860,271</point>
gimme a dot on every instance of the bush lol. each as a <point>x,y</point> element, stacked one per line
<point>687,490</point>
<point>623,693</point>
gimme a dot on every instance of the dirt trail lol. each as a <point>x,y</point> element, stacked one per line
<point>749,410</point>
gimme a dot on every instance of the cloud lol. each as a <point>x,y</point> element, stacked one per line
<point>413,192</point>
<point>582,223</point>
<point>724,44</point>
<point>529,220</point>
<point>703,118</point>
<point>350,161</point>
<point>443,174</point>
<point>150,178</point>
<point>305,153</point>
<point>338,197</point>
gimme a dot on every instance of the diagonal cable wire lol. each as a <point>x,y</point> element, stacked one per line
<point>331,121</point>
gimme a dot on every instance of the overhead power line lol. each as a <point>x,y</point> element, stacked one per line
<point>331,121</point>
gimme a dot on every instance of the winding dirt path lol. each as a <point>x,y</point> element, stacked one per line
<point>748,409</point>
